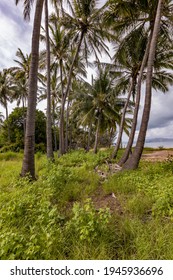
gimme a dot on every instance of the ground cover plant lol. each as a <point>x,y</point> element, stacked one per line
<point>71,212</point>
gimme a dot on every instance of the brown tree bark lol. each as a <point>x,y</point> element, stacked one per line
<point>118,142</point>
<point>28,167</point>
<point>97,135</point>
<point>126,154</point>
<point>64,97</point>
<point>50,154</point>
<point>133,161</point>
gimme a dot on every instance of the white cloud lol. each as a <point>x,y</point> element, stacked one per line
<point>14,32</point>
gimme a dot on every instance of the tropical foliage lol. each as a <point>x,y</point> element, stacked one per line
<point>81,206</point>
<point>75,34</point>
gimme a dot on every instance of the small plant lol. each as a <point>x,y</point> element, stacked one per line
<point>87,222</point>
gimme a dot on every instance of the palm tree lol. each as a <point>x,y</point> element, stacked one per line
<point>99,104</point>
<point>134,159</point>
<point>126,16</point>
<point>128,59</point>
<point>88,31</point>
<point>21,76</point>
<point>28,166</point>
<point>50,154</point>
<point>160,81</point>
<point>59,51</point>
<point>61,59</point>
<point>6,92</point>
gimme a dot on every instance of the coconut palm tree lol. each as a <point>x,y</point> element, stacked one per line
<point>127,60</point>
<point>61,59</point>
<point>88,32</point>
<point>160,81</point>
<point>129,15</point>
<point>59,51</point>
<point>134,159</point>
<point>50,154</point>
<point>20,75</point>
<point>6,92</point>
<point>28,166</point>
<point>99,104</point>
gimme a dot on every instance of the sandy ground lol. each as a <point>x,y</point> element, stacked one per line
<point>158,155</point>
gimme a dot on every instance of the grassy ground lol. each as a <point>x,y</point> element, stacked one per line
<point>71,212</point>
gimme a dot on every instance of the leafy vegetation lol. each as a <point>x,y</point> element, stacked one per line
<point>64,214</point>
<point>77,204</point>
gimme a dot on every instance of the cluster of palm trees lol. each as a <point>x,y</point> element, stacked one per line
<point>75,33</point>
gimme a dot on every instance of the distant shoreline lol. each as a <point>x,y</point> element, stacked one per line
<point>159,140</point>
<point>155,144</point>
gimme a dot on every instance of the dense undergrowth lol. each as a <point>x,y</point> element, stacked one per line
<point>57,217</point>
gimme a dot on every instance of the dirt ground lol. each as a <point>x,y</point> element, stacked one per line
<point>158,155</point>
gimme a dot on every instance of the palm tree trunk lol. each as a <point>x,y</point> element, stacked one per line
<point>137,104</point>
<point>8,127</point>
<point>50,155</point>
<point>110,136</point>
<point>62,139</point>
<point>97,135</point>
<point>114,154</point>
<point>24,122</point>
<point>133,161</point>
<point>89,137</point>
<point>54,126</point>
<point>67,125</point>
<point>61,125</point>
<point>28,166</point>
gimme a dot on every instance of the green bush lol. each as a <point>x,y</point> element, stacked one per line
<point>87,223</point>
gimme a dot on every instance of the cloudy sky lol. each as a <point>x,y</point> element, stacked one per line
<point>16,33</point>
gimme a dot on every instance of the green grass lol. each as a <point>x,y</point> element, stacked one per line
<point>56,217</point>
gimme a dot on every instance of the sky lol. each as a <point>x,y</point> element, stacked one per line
<point>16,33</point>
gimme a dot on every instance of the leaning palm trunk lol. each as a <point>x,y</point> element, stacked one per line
<point>64,97</point>
<point>137,104</point>
<point>133,161</point>
<point>28,166</point>
<point>50,155</point>
<point>114,154</point>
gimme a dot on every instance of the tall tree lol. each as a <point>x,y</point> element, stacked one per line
<point>28,166</point>
<point>86,25</point>
<point>99,104</point>
<point>134,159</point>
<point>6,92</point>
<point>49,118</point>
<point>128,59</point>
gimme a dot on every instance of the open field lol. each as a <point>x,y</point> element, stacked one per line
<point>71,212</point>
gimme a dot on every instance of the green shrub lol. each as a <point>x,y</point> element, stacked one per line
<point>87,223</point>
<point>11,147</point>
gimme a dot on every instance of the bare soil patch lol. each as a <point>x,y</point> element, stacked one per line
<point>102,200</point>
<point>158,155</point>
